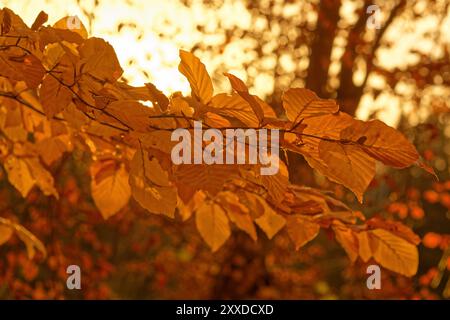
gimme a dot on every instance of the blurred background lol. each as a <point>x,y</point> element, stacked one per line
<point>399,72</point>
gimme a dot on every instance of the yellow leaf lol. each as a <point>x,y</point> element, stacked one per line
<point>301,229</point>
<point>109,186</point>
<point>44,179</point>
<point>150,185</point>
<point>19,174</point>
<point>212,223</point>
<point>194,70</point>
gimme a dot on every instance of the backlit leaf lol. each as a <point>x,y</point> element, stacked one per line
<point>212,223</point>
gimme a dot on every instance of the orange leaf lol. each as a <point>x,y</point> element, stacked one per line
<point>212,223</point>
<point>239,86</point>
<point>198,77</point>
<point>300,103</point>
<point>301,229</point>
<point>54,96</point>
<point>109,187</point>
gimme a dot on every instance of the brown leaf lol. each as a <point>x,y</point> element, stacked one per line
<point>40,20</point>
<point>54,96</point>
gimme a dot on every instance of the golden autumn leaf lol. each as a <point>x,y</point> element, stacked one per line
<point>192,177</point>
<point>348,165</point>
<point>99,60</point>
<point>109,187</point>
<point>347,239</point>
<point>19,174</point>
<point>394,227</point>
<point>62,91</point>
<point>136,116</point>
<point>343,163</point>
<point>393,252</point>
<point>195,71</point>
<point>54,96</point>
<point>277,184</point>
<point>150,185</point>
<point>43,178</point>
<point>364,246</point>
<point>234,106</point>
<point>300,103</point>
<point>270,221</point>
<point>381,142</point>
<point>301,229</point>
<point>157,97</point>
<point>239,86</point>
<point>237,212</point>
<point>186,209</point>
<point>18,65</point>
<point>212,223</point>
<point>52,149</point>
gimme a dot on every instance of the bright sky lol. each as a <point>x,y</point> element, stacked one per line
<point>146,56</point>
